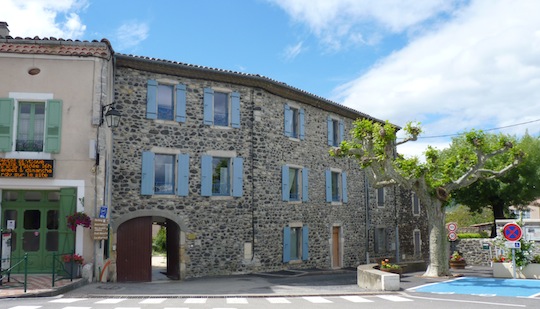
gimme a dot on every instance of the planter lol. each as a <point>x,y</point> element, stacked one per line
<point>398,271</point>
<point>505,270</point>
<point>75,267</point>
<point>458,264</point>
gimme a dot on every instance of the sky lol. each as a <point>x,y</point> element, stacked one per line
<point>452,65</point>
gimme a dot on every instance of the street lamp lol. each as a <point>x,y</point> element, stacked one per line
<point>112,116</point>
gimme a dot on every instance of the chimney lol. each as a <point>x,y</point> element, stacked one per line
<point>4,31</point>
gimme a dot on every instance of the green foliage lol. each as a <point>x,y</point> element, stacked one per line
<point>463,216</point>
<point>518,186</point>
<point>536,259</point>
<point>472,235</point>
<point>159,242</point>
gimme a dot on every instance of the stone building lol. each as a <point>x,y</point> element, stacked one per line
<point>52,98</point>
<point>236,167</point>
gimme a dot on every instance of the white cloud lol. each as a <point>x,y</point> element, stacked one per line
<point>343,22</point>
<point>479,69</point>
<point>292,51</point>
<point>130,34</point>
<point>44,18</point>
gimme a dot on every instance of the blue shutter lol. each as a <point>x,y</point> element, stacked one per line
<point>285,183</point>
<point>305,243</point>
<point>53,126</point>
<point>344,187</point>
<point>235,110</point>
<point>208,106</point>
<point>330,126</point>
<point>328,186</point>
<point>301,121</point>
<point>238,177</point>
<point>341,131</point>
<point>286,244</point>
<point>182,172</point>
<point>288,121</point>
<point>305,184</point>
<point>180,103</point>
<point>151,99</point>
<point>147,173</point>
<point>6,124</point>
<point>206,175</point>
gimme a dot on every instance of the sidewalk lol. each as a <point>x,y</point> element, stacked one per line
<point>283,283</point>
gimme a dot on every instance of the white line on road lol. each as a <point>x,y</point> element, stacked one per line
<point>317,300</point>
<point>356,299</point>
<point>278,300</point>
<point>466,301</point>
<point>393,298</point>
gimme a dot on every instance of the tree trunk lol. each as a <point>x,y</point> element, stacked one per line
<point>438,243</point>
<point>498,213</point>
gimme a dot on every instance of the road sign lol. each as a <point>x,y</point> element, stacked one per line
<point>512,232</point>
<point>512,244</point>
<point>452,236</point>
<point>451,227</point>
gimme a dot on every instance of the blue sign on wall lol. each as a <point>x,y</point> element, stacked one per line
<point>103,212</point>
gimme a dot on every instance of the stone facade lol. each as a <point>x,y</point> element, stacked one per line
<point>228,235</point>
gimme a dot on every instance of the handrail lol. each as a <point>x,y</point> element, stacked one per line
<point>61,268</point>
<point>8,271</point>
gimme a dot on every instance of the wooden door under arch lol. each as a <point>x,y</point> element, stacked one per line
<point>134,250</point>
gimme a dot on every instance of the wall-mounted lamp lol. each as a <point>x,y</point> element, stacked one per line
<point>112,116</point>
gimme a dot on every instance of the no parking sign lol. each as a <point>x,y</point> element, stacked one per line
<point>512,232</point>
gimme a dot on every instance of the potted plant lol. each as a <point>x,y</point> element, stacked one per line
<point>389,267</point>
<point>72,264</point>
<point>78,218</point>
<point>457,261</point>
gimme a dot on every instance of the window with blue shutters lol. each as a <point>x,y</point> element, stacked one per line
<point>336,131</point>
<point>221,176</point>
<point>295,243</point>
<point>336,186</point>
<point>294,122</point>
<point>38,125</point>
<point>221,109</point>
<point>165,174</point>
<point>166,101</point>
<point>294,183</point>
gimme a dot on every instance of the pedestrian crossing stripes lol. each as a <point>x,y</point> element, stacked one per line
<point>185,303</point>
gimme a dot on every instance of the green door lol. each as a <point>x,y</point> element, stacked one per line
<point>38,229</point>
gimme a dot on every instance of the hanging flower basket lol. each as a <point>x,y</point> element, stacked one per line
<point>78,218</point>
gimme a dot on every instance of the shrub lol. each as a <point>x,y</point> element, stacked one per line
<point>472,235</point>
<point>159,242</point>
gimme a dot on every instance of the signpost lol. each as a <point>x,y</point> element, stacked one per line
<point>452,234</point>
<point>512,232</point>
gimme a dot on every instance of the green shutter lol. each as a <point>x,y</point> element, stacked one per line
<point>68,206</point>
<point>6,124</point>
<point>53,126</point>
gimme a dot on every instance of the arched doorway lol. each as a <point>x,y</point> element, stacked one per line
<point>134,249</point>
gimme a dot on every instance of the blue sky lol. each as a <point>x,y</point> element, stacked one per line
<point>453,65</point>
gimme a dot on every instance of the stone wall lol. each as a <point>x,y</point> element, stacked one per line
<point>221,229</point>
<point>474,253</point>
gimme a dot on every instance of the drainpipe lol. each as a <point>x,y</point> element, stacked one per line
<point>366,201</point>
<point>397,224</point>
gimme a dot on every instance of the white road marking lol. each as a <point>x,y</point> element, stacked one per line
<point>356,299</point>
<point>394,298</point>
<point>236,300</point>
<point>111,301</point>
<point>66,300</point>
<point>278,300</point>
<point>317,300</point>
<point>153,301</point>
<point>195,301</point>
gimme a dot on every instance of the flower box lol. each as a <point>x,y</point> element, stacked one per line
<point>505,270</point>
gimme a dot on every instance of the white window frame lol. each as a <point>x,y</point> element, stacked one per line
<point>26,97</point>
<point>379,204</point>
<point>300,177</point>
<point>339,172</point>
<point>295,119</point>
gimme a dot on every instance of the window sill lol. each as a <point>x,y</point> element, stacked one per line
<point>296,139</point>
<point>167,122</point>
<point>295,202</point>
<point>164,196</point>
<point>336,203</point>
<point>221,198</point>
<point>221,127</point>
<point>28,155</point>
<point>295,262</point>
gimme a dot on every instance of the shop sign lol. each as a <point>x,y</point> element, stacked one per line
<point>26,168</point>
<point>100,229</point>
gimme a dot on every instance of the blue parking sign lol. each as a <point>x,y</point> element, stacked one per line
<point>103,212</point>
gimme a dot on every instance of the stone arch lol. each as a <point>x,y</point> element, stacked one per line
<point>148,213</point>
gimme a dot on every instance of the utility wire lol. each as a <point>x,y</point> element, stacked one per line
<point>492,129</point>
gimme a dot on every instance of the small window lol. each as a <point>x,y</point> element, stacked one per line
<point>31,127</point>
<point>294,122</point>
<point>164,174</point>
<point>417,240</point>
<point>380,197</point>
<point>415,204</point>
<point>380,240</point>
<point>294,183</point>
<point>335,132</point>
<point>221,109</point>
<point>336,186</point>
<point>32,220</point>
<point>165,101</point>
<point>295,243</point>
<point>221,177</point>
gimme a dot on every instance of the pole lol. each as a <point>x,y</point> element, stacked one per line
<point>514,261</point>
